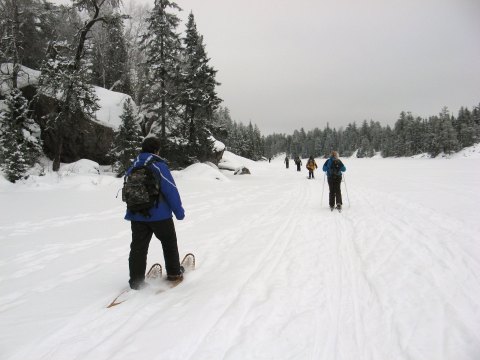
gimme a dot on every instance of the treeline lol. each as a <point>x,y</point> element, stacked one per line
<point>243,140</point>
<point>442,133</point>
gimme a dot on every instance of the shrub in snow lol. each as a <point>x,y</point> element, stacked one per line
<point>19,137</point>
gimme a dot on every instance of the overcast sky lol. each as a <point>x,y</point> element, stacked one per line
<point>289,64</point>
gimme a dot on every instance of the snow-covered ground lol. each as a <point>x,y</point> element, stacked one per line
<point>396,275</point>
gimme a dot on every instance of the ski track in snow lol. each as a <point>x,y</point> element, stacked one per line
<point>278,276</point>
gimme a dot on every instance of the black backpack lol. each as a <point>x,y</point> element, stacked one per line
<point>335,168</point>
<point>141,190</point>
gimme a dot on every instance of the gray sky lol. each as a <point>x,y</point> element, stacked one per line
<point>291,64</point>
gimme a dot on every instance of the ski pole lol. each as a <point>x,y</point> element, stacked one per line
<point>346,190</point>
<point>323,187</point>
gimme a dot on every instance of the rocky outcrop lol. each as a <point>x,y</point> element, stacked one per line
<point>216,156</point>
<point>242,171</point>
<point>83,139</point>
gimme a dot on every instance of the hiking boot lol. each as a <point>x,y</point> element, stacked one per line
<point>139,285</point>
<point>331,208</point>
<point>339,206</point>
<point>175,277</point>
<point>178,277</point>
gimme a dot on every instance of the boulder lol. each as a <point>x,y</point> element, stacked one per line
<point>242,171</point>
<point>218,150</point>
<point>86,139</point>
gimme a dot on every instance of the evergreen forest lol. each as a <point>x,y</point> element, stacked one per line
<point>163,65</point>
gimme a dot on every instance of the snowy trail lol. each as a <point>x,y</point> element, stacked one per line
<point>278,275</point>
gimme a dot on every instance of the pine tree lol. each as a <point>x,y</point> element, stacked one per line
<point>19,137</point>
<point>366,149</point>
<point>127,141</point>
<point>465,127</point>
<point>387,147</point>
<point>376,135</point>
<point>400,130</point>
<point>11,39</point>
<point>448,136</point>
<point>259,143</point>
<point>26,27</point>
<point>222,124</point>
<point>476,123</point>
<point>432,138</point>
<point>14,163</point>
<point>198,98</point>
<point>110,57</point>
<point>328,144</point>
<point>162,47</point>
<point>39,26</point>
<point>351,139</point>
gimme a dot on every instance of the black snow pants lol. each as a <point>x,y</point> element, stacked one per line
<point>335,191</point>
<point>142,232</point>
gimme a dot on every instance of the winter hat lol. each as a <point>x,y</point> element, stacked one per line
<point>151,144</point>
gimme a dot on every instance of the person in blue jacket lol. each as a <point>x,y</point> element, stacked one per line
<point>334,167</point>
<point>160,221</point>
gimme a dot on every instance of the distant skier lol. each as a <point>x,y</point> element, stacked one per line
<point>151,172</point>
<point>286,161</point>
<point>311,166</point>
<point>334,168</point>
<point>298,162</point>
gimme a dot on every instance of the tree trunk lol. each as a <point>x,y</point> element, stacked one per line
<point>16,43</point>
<point>57,155</point>
<point>191,137</point>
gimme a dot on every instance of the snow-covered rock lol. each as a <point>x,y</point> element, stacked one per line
<point>111,107</point>
<point>26,77</point>
<point>242,171</point>
<point>233,162</point>
<point>218,146</point>
<point>201,171</point>
<point>90,138</point>
<point>83,166</point>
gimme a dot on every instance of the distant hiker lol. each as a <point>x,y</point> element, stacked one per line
<point>334,168</point>
<point>269,159</point>
<point>157,217</point>
<point>298,162</point>
<point>311,166</point>
<point>286,161</point>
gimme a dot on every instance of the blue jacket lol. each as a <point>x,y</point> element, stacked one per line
<point>171,198</point>
<point>328,164</point>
